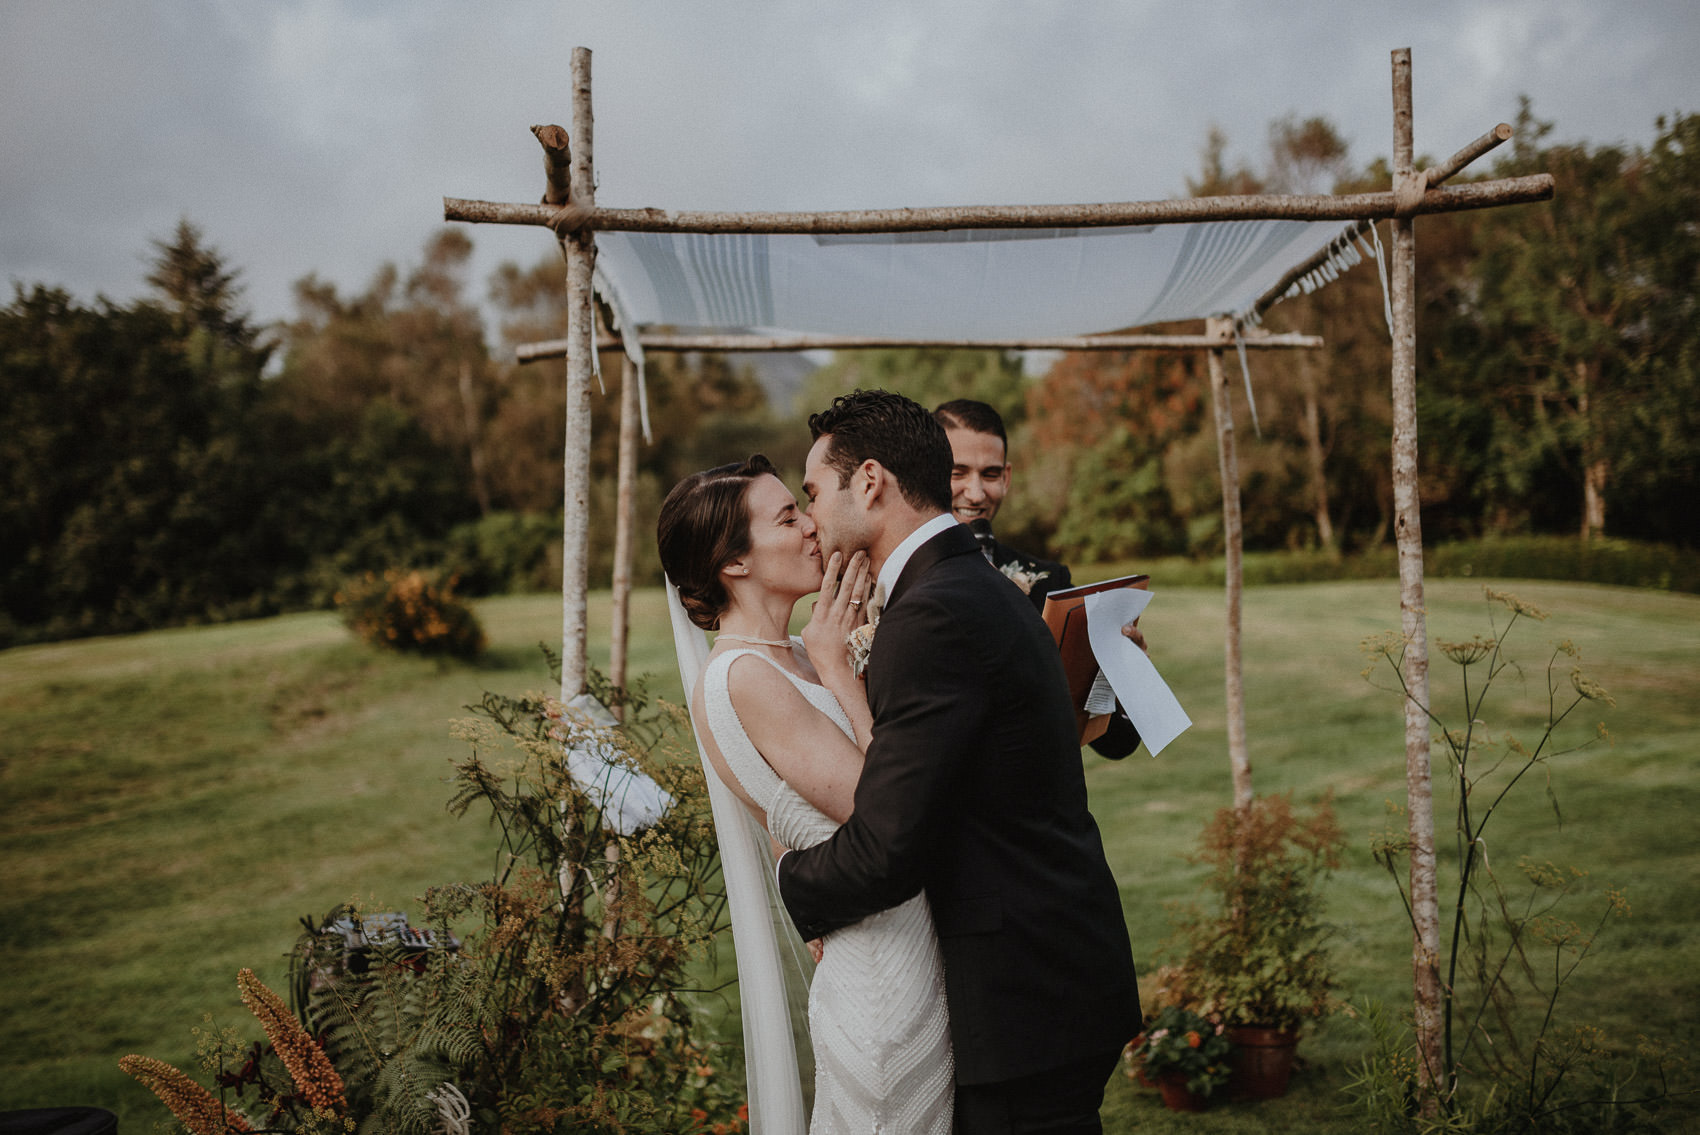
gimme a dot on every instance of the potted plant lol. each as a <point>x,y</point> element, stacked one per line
<point>1257,959</point>
<point>1185,1055</point>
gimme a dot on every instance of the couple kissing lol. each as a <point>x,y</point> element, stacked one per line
<point>926,799</point>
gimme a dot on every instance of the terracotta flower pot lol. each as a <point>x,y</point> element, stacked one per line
<point>1261,1063</point>
<point>1136,1066</point>
<point>1176,1095</point>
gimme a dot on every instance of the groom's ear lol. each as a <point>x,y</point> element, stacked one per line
<point>870,482</point>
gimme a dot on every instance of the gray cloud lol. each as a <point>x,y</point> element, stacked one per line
<point>320,135</point>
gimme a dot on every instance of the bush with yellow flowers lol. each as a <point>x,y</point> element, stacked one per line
<point>411,611</point>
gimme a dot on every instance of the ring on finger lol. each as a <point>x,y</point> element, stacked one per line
<point>855,602</point>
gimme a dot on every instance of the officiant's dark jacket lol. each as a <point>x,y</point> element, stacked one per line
<point>973,790</point>
<point>1121,735</point>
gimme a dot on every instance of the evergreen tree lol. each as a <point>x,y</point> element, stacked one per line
<point>1565,364</point>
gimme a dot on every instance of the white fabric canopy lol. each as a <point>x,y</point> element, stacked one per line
<point>958,284</point>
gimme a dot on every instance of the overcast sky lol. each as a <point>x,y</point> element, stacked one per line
<point>321,135</point>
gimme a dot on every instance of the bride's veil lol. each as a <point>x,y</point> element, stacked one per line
<point>772,966</point>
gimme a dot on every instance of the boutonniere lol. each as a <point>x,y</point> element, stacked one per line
<point>1022,578</point>
<point>861,644</point>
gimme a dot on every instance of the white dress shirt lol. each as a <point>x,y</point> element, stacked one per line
<point>899,559</point>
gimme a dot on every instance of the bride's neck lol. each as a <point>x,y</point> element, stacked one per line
<point>767,616</point>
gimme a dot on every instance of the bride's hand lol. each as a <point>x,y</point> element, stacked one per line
<point>840,609</point>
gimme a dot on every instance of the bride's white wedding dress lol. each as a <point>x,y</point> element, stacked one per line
<point>877,1010</point>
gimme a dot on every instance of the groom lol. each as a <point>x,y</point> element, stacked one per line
<point>972,789</point>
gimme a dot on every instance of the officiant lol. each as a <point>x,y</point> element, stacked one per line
<point>979,482</point>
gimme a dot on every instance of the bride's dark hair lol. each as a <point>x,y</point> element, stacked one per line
<point>705,525</point>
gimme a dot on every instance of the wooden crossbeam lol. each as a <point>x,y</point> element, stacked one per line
<point>1251,207</point>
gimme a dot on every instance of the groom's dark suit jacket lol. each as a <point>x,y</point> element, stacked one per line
<point>973,790</point>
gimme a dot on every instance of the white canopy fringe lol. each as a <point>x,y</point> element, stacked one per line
<point>633,348</point>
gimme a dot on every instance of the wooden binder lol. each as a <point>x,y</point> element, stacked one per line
<point>1065,614</point>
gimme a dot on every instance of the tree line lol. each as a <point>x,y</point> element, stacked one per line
<point>171,461</point>
<point>1558,376</point>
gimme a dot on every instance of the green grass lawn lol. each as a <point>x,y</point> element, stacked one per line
<point>176,801</point>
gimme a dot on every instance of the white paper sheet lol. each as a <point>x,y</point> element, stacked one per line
<point>1143,693</point>
<point>629,800</point>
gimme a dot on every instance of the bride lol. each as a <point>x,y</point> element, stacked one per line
<point>784,724</point>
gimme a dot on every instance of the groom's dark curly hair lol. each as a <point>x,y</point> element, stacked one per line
<point>898,433</point>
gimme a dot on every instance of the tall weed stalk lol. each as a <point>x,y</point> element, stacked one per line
<point>1506,1064</point>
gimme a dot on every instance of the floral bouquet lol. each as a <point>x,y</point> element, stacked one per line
<point>1182,1044</point>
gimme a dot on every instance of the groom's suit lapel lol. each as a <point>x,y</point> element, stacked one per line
<point>954,541</point>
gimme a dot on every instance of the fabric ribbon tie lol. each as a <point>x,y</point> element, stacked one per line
<point>1408,190</point>
<point>629,341</point>
<point>1245,373</point>
<point>568,220</point>
<point>1381,268</point>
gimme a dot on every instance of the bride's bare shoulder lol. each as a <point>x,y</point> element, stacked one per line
<point>757,682</point>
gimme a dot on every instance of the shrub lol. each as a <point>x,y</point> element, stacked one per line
<point>1259,958</point>
<point>1620,563</point>
<point>568,1005</point>
<point>1623,563</point>
<point>410,611</point>
<point>505,553</point>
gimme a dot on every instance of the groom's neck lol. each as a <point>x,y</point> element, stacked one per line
<point>893,535</point>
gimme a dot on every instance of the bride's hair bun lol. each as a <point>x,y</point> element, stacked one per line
<point>705,525</point>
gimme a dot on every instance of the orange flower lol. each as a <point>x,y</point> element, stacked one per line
<point>195,1107</point>
<point>744,1112</point>
<point>1193,1040</point>
<point>307,1063</point>
<point>699,1115</point>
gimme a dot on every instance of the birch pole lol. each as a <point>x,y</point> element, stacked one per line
<point>1425,906</point>
<point>579,248</point>
<point>1233,537</point>
<point>623,526</point>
